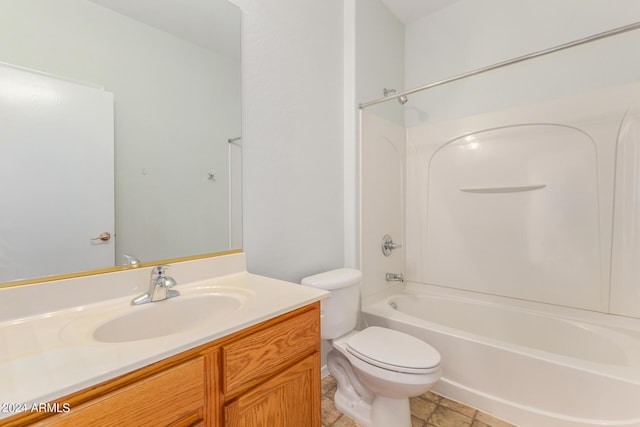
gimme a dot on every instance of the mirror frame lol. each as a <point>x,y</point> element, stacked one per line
<point>118,268</point>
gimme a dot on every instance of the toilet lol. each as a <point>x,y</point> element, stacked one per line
<point>377,369</point>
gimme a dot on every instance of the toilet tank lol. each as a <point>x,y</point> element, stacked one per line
<point>339,312</point>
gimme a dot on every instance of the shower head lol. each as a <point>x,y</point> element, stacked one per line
<point>401,99</point>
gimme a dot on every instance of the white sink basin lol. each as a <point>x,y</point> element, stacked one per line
<point>171,316</point>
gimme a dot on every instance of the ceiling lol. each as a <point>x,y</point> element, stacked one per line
<point>207,23</point>
<point>411,10</point>
<point>214,25</point>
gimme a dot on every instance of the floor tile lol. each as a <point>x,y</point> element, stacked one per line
<point>327,384</point>
<point>431,396</point>
<point>445,417</point>
<point>345,421</point>
<point>422,408</point>
<point>329,412</point>
<point>458,407</point>
<point>491,421</point>
<point>417,422</point>
<point>427,410</point>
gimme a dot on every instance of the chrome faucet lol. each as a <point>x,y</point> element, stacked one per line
<point>159,287</point>
<point>389,245</point>
<point>394,277</point>
<point>130,260</point>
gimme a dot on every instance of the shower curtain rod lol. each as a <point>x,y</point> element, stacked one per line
<point>537,54</point>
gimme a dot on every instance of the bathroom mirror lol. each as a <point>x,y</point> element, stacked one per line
<point>171,69</point>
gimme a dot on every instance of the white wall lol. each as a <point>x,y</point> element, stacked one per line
<point>292,136</point>
<point>168,106</point>
<point>373,55</point>
<point>379,65</point>
<point>468,230</point>
<point>471,34</point>
<point>380,57</point>
<point>383,156</point>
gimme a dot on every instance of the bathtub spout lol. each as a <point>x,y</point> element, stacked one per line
<point>394,277</point>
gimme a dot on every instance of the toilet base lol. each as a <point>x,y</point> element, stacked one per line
<point>386,411</point>
<point>383,412</point>
<point>352,397</point>
<point>358,410</point>
<point>354,400</point>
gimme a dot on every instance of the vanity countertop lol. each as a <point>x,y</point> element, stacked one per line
<point>48,356</point>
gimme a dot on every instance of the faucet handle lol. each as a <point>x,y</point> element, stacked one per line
<point>158,275</point>
<point>167,282</point>
<point>389,245</point>
<point>159,270</point>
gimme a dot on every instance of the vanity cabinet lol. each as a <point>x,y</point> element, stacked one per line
<point>175,396</point>
<point>261,390</point>
<point>266,375</point>
<point>288,399</point>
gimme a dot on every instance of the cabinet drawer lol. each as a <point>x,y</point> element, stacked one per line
<point>173,397</point>
<point>264,352</point>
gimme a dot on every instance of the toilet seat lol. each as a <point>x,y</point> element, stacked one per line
<point>393,350</point>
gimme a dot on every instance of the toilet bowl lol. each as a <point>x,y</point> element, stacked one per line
<point>376,369</point>
<point>391,366</point>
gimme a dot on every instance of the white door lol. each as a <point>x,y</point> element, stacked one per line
<point>56,176</point>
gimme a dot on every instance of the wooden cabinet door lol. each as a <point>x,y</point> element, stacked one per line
<point>290,399</point>
<point>175,396</point>
<point>250,359</point>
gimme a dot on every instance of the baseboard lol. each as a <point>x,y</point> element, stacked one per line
<point>324,371</point>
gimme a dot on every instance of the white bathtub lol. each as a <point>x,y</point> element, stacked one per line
<point>528,364</point>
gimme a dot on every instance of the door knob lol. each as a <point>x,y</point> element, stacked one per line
<point>103,236</point>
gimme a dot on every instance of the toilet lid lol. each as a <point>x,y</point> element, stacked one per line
<point>393,350</point>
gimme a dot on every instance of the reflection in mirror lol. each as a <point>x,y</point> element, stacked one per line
<point>159,84</point>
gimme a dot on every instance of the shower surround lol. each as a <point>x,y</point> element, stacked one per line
<point>522,221</point>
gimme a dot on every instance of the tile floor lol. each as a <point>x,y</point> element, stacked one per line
<point>427,410</point>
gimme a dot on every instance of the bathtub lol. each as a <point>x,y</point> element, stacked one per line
<point>532,365</point>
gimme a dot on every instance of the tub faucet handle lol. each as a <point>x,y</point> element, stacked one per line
<point>389,245</point>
